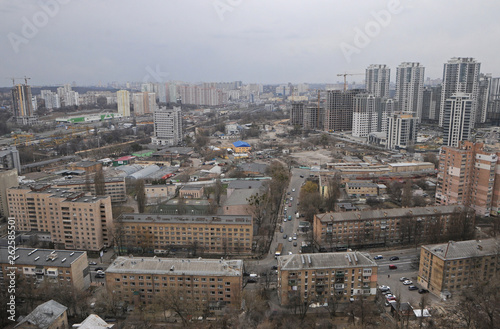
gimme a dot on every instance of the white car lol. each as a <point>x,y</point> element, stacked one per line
<point>290,239</point>
<point>293,190</point>
<point>99,272</point>
<point>291,198</point>
<point>407,282</point>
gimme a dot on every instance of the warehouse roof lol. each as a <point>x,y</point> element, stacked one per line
<point>241,144</point>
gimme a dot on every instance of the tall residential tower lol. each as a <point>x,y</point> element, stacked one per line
<point>410,88</point>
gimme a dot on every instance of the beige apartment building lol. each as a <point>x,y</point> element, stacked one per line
<point>314,278</point>
<point>75,220</point>
<point>210,282</point>
<point>191,192</point>
<point>61,267</point>
<point>113,186</point>
<point>225,234</point>
<point>361,188</point>
<point>8,178</point>
<point>469,175</point>
<point>447,268</point>
<point>385,227</point>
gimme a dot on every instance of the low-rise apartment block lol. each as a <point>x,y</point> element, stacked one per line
<point>225,234</point>
<point>361,188</point>
<point>216,283</point>
<point>75,220</point>
<point>447,268</point>
<point>385,227</point>
<point>317,277</point>
<point>61,267</point>
<point>191,192</point>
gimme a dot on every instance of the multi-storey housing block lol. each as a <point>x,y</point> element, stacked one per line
<point>74,220</point>
<point>310,278</point>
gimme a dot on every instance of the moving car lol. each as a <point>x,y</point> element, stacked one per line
<point>412,288</point>
<point>393,267</point>
<point>394,258</point>
<point>378,257</point>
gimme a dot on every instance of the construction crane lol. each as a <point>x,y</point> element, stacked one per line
<point>14,80</point>
<point>345,77</point>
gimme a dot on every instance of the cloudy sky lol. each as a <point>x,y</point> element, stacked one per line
<point>264,41</point>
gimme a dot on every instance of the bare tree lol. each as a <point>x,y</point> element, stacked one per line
<point>140,195</point>
<point>333,192</point>
<point>99,182</point>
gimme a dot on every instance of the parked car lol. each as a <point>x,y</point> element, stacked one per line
<point>301,176</point>
<point>394,258</point>
<point>100,272</point>
<point>285,236</point>
<point>393,267</point>
<point>295,243</point>
<point>293,190</point>
<point>423,291</point>
<point>407,282</point>
<point>403,279</point>
<point>274,267</point>
<point>412,288</point>
<point>251,281</point>
<point>99,276</point>
<point>99,269</point>
<point>378,257</point>
<point>384,288</point>
<point>92,263</point>
<point>289,239</point>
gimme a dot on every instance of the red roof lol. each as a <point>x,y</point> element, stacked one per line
<point>125,158</point>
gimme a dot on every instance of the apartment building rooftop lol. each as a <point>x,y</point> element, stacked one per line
<point>464,249</point>
<point>44,315</point>
<point>385,213</point>
<point>42,257</point>
<point>361,183</point>
<point>185,219</point>
<point>66,193</point>
<point>176,266</point>
<point>324,261</point>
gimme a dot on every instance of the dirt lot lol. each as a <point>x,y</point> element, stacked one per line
<point>313,158</point>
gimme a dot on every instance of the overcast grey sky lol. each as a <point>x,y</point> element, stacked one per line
<point>264,41</point>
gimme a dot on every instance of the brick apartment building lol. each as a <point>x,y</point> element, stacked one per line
<point>385,227</point>
<point>61,267</point>
<point>225,234</point>
<point>317,277</point>
<point>143,280</point>
<point>75,220</point>
<point>447,268</point>
<point>469,175</point>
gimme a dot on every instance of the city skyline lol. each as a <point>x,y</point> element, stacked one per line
<point>56,42</point>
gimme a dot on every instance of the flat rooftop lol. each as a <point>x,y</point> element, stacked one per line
<point>187,219</point>
<point>42,257</point>
<point>325,261</point>
<point>464,249</point>
<point>62,192</point>
<point>176,266</point>
<point>387,213</point>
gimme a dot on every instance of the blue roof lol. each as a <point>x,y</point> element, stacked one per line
<point>241,144</point>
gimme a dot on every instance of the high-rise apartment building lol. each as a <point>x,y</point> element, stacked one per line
<point>365,115</point>
<point>431,100</point>
<point>123,102</point>
<point>22,104</point>
<point>493,114</point>
<point>51,99</point>
<point>460,75</point>
<point>401,130</point>
<point>386,109</point>
<point>470,175</point>
<point>67,96</point>
<point>304,278</point>
<point>313,117</point>
<point>483,97</point>
<point>167,126</point>
<point>144,103</point>
<point>8,179</point>
<point>339,108</point>
<point>378,77</point>
<point>75,220</point>
<point>9,159</point>
<point>297,114</point>
<point>409,88</point>
<point>457,119</point>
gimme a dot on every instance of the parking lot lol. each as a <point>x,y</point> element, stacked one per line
<point>405,268</point>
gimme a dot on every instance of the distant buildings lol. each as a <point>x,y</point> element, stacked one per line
<point>457,119</point>
<point>203,234</point>
<point>385,227</point>
<point>469,175</point>
<point>123,101</point>
<point>378,77</point>
<point>64,268</point>
<point>313,117</point>
<point>460,75</point>
<point>211,284</point>
<point>74,220</point>
<point>446,269</point>
<point>144,103</point>
<point>409,88</point>
<point>22,105</point>
<point>431,103</point>
<point>365,115</point>
<point>304,278</point>
<point>67,96</point>
<point>167,126</point>
<point>297,114</point>
<point>51,99</point>
<point>401,130</point>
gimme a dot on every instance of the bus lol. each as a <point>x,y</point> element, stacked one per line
<point>279,250</point>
